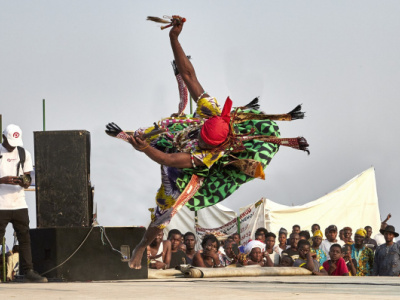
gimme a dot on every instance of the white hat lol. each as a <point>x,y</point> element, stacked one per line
<point>13,135</point>
<point>254,244</point>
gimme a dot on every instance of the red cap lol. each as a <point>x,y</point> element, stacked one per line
<point>216,129</point>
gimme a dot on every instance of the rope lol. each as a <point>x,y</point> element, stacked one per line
<point>71,254</point>
<point>103,232</point>
<point>102,235</point>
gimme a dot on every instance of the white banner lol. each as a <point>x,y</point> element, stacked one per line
<point>224,230</point>
<point>251,218</point>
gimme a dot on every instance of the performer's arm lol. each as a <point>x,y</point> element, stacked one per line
<point>184,65</point>
<point>176,160</point>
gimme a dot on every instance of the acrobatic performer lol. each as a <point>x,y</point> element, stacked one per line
<point>206,156</point>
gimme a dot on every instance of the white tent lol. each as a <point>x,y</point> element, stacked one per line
<point>210,217</point>
<point>354,204</point>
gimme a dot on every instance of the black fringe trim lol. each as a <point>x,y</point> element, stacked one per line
<point>296,113</point>
<point>113,129</point>
<point>253,104</point>
<point>303,144</point>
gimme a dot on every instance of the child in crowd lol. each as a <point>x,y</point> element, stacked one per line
<point>336,266</point>
<point>306,261</point>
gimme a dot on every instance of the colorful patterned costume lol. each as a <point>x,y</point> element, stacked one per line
<point>221,180</point>
<point>253,140</point>
<point>365,260</point>
<point>320,255</point>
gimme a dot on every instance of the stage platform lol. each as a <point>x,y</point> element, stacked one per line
<point>282,287</point>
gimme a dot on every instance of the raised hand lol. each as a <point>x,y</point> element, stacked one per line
<point>176,28</point>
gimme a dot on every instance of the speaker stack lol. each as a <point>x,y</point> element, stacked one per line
<point>64,206</point>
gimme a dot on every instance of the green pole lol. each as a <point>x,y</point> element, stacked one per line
<point>44,115</point>
<point>238,225</point>
<point>3,249</point>
<point>191,105</point>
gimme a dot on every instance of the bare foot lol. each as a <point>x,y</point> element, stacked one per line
<point>136,259</point>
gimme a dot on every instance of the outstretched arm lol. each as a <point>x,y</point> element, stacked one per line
<point>176,160</point>
<point>185,67</point>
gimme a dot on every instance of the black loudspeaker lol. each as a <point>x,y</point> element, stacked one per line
<point>62,171</point>
<point>94,260</point>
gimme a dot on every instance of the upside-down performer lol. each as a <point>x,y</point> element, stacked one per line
<point>206,156</point>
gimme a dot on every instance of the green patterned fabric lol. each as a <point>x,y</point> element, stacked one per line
<point>222,181</point>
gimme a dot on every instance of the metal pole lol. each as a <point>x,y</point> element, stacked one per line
<point>44,115</point>
<point>191,106</point>
<point>3,250</point>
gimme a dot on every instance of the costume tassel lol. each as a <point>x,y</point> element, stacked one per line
<point>253,104</point>
<point>113,129</point>
<point>303,144</point>
<point>171,21</point>
<point>158,20</point>
<point>296,113</point>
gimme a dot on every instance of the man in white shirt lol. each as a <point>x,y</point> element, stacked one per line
<point>330,240</point>
<point>15,167</point>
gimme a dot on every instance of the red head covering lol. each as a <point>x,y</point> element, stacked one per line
<point>216,129</point>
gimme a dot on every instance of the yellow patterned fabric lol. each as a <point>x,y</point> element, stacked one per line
<point>207,157</point>
<point>207,108</point>
<point>362,232</point>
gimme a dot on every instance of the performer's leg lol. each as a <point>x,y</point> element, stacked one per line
<point>137,254</point>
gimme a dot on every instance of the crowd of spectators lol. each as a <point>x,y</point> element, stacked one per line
<point>329,252</point>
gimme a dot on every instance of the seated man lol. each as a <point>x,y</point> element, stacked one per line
<point>304,235</point>
<point>336,266</point>
<point>379,238</point>
<point>296,229</point>
<point>387,256</point>
<point>314,228</point>
<point>208,257</point>
<point>370,243</point>
<point>236,238</point>
<point>231,253</point>
<point>190,241</point>
<point>159,253</point>
<point>178,257</point>
<point>269,249</point>
<point>320,255</point>
<point>286,261</point>
<point>292,251</point>
<point>260,234</point>
<point>306,261</point>
<point>282,238</point>
<point>362,254</point>
<point>13,263</point>
<point>347,233</point>
<point>330,240</point>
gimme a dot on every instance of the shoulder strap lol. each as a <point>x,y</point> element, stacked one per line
<point>21,153</point>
